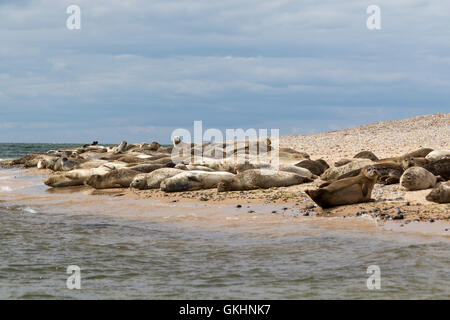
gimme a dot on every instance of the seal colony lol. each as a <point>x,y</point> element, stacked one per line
<point>225,169</point>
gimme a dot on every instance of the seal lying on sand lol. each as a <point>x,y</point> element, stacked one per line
<point>64,164</point>
<point>409,162</point>
<point>389,173</point>
<point>438,168</point>
<point>117,178</point>
<point>75,177</point>
<point>440,194</point>
<point>334,172</point>
<point>121,148</point>
<point>146,168</point>
<point>195,180</point>
<point>191,167</point>
<point>153,180</point>
<point>297,170</point>
<point>417,178</point>
<point>419,153</point>
<point>261,179</point>
<point>346,191</point>
<point>317,167</point>
<point>438,154</point>
<point>366,155</point>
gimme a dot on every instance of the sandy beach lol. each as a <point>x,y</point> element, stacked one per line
<point>385,139</point>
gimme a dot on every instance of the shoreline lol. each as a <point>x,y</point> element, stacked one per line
<point>277,203</point>
<point>390,203</point>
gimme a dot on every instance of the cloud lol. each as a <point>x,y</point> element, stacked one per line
<point>139,68</point>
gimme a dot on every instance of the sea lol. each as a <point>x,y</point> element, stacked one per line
<point>126,248</point>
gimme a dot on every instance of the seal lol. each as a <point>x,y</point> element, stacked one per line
<point>194,180</point>
<point>121,148</point>
<point>346,191</point>
<point>191,167</point>
<point>438,168</point>
<point>342,162</point>
<point>366,155</point>
<point>389,173</point>
<point>419,153</point>
<point>261,179</point>
<point>303,172</point>
<point>334,172</point>
<point>146,167</point>
<point>76,177</point>
<point>417,178</point>
<point>153,180</point>
<point>317,167</point>
<point>116,178</point>
<point>440,194</point>
<point>438,155</point>
<point>64,164</point>
<point>409,162</point>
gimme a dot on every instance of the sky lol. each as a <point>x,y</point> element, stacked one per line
<point>137,70</point>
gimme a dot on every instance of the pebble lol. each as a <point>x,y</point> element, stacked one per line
<point>238,206</point>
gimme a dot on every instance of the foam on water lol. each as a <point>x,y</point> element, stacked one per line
<point>29,210</point>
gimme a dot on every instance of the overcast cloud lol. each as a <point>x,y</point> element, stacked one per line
<point>138,69</point>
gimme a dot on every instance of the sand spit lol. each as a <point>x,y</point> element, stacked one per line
<point>391,203</point>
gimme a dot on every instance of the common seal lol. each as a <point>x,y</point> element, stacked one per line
<point>419,153</point>
<point>117,178</point>
<point>342,162</point>
<point>409,162</point>
<point>191,167</point>
<point>121,148</point>
<point>317,167</point>
<point>261,179</point>
<point>438,168</point>
<point>334,172</point>
<point>294,152</point>
<point>389,173</point>
<point>438,155</point>
<point>146,167</point>
<point>440,194</point>
<point>75,177</point>
<point>194,180</point>
<point>417,178</point>
<point>303,172</point>
<point>346,191</point>
<point>153,180</point>
<point>64,164</point>
<point>366,155</point>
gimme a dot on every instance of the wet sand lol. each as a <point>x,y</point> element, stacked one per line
<point>281,205</point>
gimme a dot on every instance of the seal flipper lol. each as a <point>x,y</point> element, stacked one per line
<point>365,189</point>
